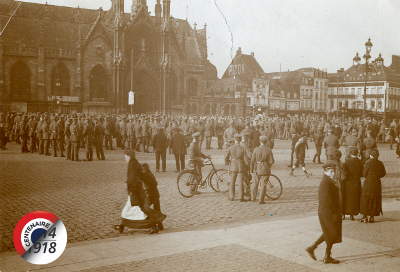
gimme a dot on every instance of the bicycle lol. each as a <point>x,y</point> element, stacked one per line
<point>188,179</point>
<point>273,192</point>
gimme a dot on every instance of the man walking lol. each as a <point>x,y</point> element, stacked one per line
<point>329,213</point>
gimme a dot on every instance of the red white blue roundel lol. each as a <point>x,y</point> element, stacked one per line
<point>40,237</point>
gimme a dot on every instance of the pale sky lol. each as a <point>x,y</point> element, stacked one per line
<point>291,33</point>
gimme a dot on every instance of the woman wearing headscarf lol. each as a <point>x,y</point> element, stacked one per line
<point>351,190</point>
<point>371,196</point>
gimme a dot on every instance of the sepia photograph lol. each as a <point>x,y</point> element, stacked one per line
<point>199,135</point>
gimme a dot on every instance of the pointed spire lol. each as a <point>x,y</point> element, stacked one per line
<point>157,11</point>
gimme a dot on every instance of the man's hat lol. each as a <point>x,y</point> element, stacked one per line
<point>237,136</point>
<point>245,134</point>
<point>196,135</point>
<point>263,139</point>
<point>327,166</point>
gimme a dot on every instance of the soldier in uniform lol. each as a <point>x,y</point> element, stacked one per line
<point>329,213</point>
<point>368,144</point>
<point>98,139</point>
<point>107,133</point>
<point>237,159</point>
<point>145,136</point>
<point>61,136</point>
<point>138,134</point>
<point>300,151</point>
<point>228,135</point>
<point>67,133</point>
<point>39,135</point>
<point>196,158</point>
<point>130,135</point>
<point>260,167</point>
<point>54,134</point>
<point>352,141</point>
<point>23,134</point>
<point>46,136</point>
<point>219,130</point>
<point>88,135</point>
<point>295,138</point>
<point>75,137</point>
<point>32,133</point>
<point>208,134</point>
<point>331,143</point>
<point>318,139</point>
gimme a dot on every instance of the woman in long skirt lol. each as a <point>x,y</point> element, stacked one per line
<point>371,196</point>
<point>351,190</point>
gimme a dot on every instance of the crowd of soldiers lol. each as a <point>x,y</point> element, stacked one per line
<point>66,134</point>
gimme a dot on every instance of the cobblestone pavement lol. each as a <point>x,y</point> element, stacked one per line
<point>89,196</point>
<point>222,258</point>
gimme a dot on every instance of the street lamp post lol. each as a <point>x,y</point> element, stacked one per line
<point>356,60</point>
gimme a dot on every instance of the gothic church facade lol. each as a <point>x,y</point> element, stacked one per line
<point>62,59</point>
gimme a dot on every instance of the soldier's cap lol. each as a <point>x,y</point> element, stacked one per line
<point>237,136</point>
<point>196,135</point>
<point>246,134</point>
<point>328,166</point>
<point>263,139</point>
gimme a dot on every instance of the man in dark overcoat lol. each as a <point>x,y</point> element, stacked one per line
<point>160,145</point>
<point>329,214</point>
<point>178,145</point>
<point>371,195</point>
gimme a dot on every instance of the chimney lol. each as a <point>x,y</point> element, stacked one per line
<point>239,51</point>
<point>252,53</point>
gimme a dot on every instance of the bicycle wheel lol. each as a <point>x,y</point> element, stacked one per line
<point>216,176</point>
<point>223,181</point>
<point>274,187</point>
<point>186,181</point>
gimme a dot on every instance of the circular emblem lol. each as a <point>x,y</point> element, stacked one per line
<point>40,237</point>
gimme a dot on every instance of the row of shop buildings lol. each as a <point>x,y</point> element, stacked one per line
<point>62,59</point>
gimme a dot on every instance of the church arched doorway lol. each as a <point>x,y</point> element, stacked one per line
<point>145,94</point>
<point>214,109</point>
<point>194,109</point>
<point>207,109</point>
<point>98,82</point>
<point>60,80</point>
<point>188,108</point>
<point>233,110</point>
<point>226,109</point>
<point>192,86</point>
<point>20,77</point>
